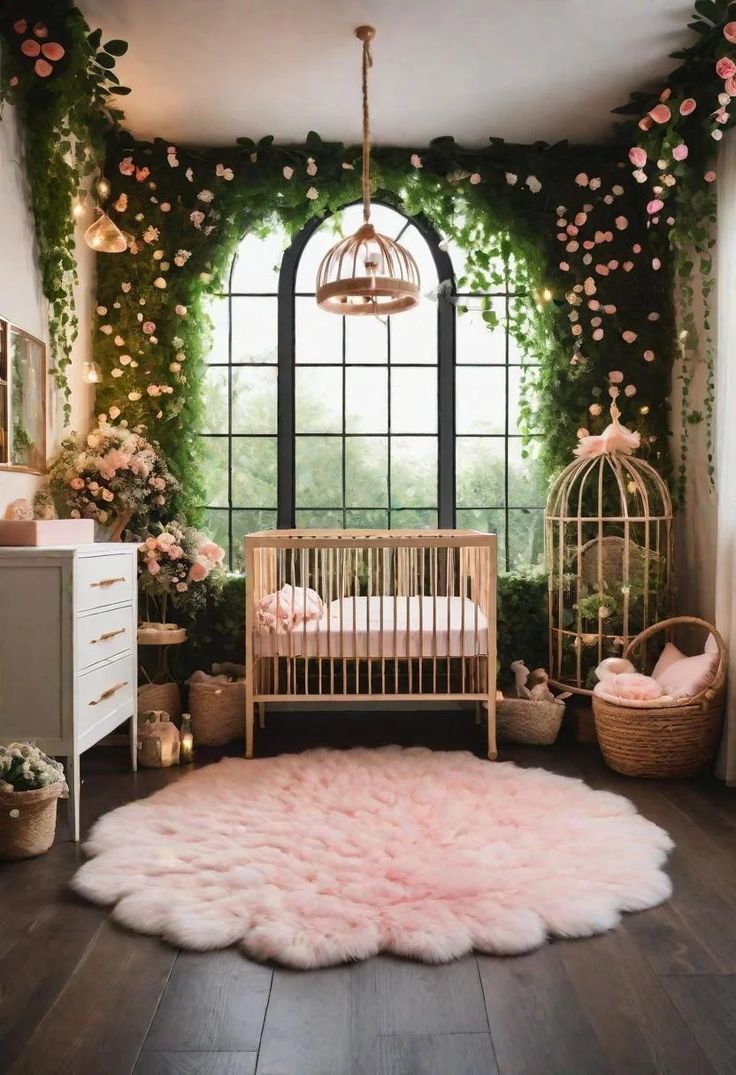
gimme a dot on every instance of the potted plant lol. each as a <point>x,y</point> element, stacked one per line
<point>110,476</point>
<point>30,784</point>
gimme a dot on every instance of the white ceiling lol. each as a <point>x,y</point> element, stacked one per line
<point>206,71</point>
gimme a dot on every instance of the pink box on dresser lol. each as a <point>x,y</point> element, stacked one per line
<point>47,532</point>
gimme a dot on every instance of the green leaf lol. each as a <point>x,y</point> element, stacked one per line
<point>116,47</point>
<point>104,60</point>
<point>121,91</point>
<point>94,38</point>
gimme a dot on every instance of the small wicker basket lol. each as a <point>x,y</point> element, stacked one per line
<point>165,697</point>
<point>664,741</point>
<point>521,720</point>
<point>217,711</point>
<point>28,821</point>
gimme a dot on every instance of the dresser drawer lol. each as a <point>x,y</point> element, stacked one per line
<point>104,634</point>
<point>103,690</point>
<point>104,580</point>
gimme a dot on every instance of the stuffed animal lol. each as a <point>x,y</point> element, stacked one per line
<point>540,692</point>
<point>521,675</point>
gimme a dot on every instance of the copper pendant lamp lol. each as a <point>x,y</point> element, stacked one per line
<point>367,273</point>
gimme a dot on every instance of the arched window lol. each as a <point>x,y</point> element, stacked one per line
<point>408,421</point>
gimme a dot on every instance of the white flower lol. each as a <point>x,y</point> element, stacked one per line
<point>116,372</point>
<point>717,134</point>
<point>157,255</point>
<point>312,193</point>
<point>189,174</point>
<point>287,172</point>
<point>133,396</point>
<point>475,179</point>
<point>114,411</point>
<point>533,184</point>
<point>311,166</point>
<point>174,367</point>
<point>594,184</point>
<point>159,282</point>
<point>415,160</point>
<point>102,310</point>
<point>511,179</point>
<point>180,311</point>
<point>119,341</point>
<point>125,360</point>
<point>348,167</point>
<point>205,196</point>
<point>107,329</point>
<point>223,173</point>
<point>151,234</point>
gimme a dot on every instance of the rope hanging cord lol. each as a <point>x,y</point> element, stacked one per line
<point>366,33</point>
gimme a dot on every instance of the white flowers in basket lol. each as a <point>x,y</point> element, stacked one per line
<point>23,767</point>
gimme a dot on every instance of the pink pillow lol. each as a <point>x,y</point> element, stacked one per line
<point>669,656</point>
<point>689,675</point>
<point>631,686</point>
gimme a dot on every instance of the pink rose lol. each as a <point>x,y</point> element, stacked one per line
<point>615,376</point>
<point>148,327</point>
<point>688,106</point>
<point>628,336</point>
<point>680,152</point>
<point>151,543</point>
<point>142,173</point>
<point>198,572</point>
<point>153,567</point>
<point>637,156</point>
<point>730,86</point>
<point>77,483</point>
<point>175,552</point>
<point>126,166</point>
<point>645,123</point>
<point>212,552</point>
<point>725,68</point>
<point>654,206</point>
<point>729,32</point>
<point>661,113</point>
<point>182,587</point>
<point>710,177</point>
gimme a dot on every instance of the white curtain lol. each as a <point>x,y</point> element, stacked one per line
<point>725,583</point>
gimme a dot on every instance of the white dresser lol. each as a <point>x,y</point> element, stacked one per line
<point>68,672</point>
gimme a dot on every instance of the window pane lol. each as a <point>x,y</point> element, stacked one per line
<point>366,472</point>
<point>515,379</point>
<point>366,340</point>
<point>318,335</point>
<point>319,472</point>
<point>489,521</point>
<point>414,518</point>
<point>476,340</point>
<point>322,240</point>
<point>480,472</point>
<point>414,400</point>
<point>370,519</point>
<point>527,486</point>
<point>526,536</point>
<point>254,400</point>
<point>481,399</point>
<point>322,520</point>
<point>414,334</point>
<point>215,471</point>
<point>258,262</point>
<point>413,472</point>
<point>366,400</point>
<point>254,472</point>
<point>254,330</point>
<point>214,399</point>
<point>318,400</point>
<point>218,310</point>
<point>248,522</point>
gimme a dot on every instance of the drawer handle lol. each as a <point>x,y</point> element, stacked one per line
<point>107,636</point>
<point>104,583</point>
<point>109,693</point>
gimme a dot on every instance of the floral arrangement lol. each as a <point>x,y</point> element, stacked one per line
<point>111,476</point>
<point>177,566</point>
<point>23,767</point>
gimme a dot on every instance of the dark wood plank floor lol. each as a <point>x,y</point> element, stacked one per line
<point>80,996</point>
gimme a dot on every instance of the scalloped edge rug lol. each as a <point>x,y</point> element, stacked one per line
<point>318,858</point>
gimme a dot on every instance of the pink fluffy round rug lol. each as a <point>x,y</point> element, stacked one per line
<point>316,858</point>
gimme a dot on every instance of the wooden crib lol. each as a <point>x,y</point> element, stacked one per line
<point>407,615</point>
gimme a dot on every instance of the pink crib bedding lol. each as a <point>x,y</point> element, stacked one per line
<point>374,626</point>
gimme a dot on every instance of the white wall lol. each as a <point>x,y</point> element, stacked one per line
<point>22,302</point>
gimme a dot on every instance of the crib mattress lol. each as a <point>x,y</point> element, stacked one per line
<point>371,626</point>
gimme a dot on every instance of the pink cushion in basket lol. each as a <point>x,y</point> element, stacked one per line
<point>688,675</point>
<point>669,656</point>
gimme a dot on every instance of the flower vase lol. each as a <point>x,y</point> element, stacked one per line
<point>28,821</point>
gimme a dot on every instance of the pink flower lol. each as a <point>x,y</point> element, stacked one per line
<point>148,327</point>
<point>77,483</point>
<point>182,587</point>
<point>645,123</point>
<point>141,174</point>
<point>725,68</point>
<point>43,68</point>
<point>661,113</point>
<point>211,551</point>
<point>680,152</point>
<point>475,179</point>
<point>198,572</point>
<point>165,540</point>
<point>615,376</point>
<point>175,552</point>
<point>150,543</point>
<point>688,106</point>
<point>729,32</point>
<point>153,567</point>
<point>53,51</point>
<point>621,223</point>
<point>654,206</point>
<point>196,217</point>
<point>415,160</point>
<point>628,336</point>
<point>637,156</point>
<point>30,48</point>
<point>649,356</point>
<point>710,177</point>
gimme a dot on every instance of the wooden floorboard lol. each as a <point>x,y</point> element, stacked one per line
<point>656,995</point>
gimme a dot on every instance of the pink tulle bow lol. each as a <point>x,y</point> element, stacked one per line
<point>288,607</point>
<point>614,438</point>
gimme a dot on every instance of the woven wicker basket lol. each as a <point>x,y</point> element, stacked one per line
<point>665,741</point>
<point>165,697</point>
<point>519,720</point>
<point>217,711</point>
<point>28,821</point>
